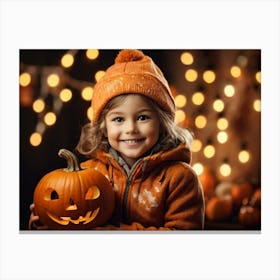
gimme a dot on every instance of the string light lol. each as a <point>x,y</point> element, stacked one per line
<point>35,139</point>
<point>222,137</point>
<point>191,75</point>
<point>243,156</point>
<point>258,77</point>
<point>198,168</point>
<point>200,121</point>
<point>198,98</point>
<point>98,75</point>
<point>242,61</point>
<point>180,116</point>
<point>257,105</point>
<point>90,113</point>
<point>65,95</point>
<point>87,93</point>
<point>196,145</point>
<point>209,151</point>
<point>209,76</point>
<point>24,79</point>
<point>92,54</point>
<point>222,123</point>
<point>235,71</point>
<point>180,100</point>
<point>186,58</point>
<point>67,60</point>
<point>218,105</point>
<point>50,118</point>
<point>53,80</point>
<point>225,169</point>
<point>229,90</point>
<point>38,105</point>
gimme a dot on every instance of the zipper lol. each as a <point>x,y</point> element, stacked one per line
<point>127,188</point>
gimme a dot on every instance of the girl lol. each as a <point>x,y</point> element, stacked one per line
<point>135,143</point>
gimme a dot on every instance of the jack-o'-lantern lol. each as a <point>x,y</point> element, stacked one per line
<point>73,198</point>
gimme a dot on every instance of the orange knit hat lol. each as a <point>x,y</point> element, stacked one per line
<point>133,72</point>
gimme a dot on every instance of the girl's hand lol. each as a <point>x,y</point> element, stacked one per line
<point>34,222</point>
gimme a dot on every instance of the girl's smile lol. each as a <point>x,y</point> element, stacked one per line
<point>132,127</point>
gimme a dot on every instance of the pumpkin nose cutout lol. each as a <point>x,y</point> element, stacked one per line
<point>72,205</point>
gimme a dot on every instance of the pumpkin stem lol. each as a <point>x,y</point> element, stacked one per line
<point>72,161</point>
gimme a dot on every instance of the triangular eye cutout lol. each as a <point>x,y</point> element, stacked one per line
<point>92,193</point>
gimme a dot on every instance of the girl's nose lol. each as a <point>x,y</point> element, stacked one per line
<point>131,127</point>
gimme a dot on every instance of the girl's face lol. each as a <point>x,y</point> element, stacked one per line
<point>132,127</point>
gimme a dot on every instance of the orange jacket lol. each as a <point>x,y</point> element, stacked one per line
<point>161,191</point>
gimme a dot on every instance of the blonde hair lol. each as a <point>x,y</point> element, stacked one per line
<point>93,134</point>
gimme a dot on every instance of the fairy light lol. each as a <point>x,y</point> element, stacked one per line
<point>198,168</point>
<point>209,76</point>
<point>92,54</point>
<point>67,60</point>
<point>53,80</point>
<point>242,61</point>
<point>198,98</point>
<point>196,145</point>
<point>243,156</point>
<point>200,121</point>
<point>222,137</point>
<point>258,77</point>
<point>38,105</point>
<point>225,169</point>
<point>218,105</point>
<point>50,118</point>
<point>191,75</point>
<point>209,151</point>
<point>180,101</point>
<point>90,113</point>
<point>65,95</point>
<point>222,123</point>
<point>235,71</point>
<point>98,75</point>
<point>229,90</point>
<point>35,139</point>
<point>186,58</point>
<point>87,93</point>
<point>24,79</point>
<point>257,105</point>
<point>180,116</point>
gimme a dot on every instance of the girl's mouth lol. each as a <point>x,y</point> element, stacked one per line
<point>133,141</point>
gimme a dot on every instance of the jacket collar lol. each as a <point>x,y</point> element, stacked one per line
<point>153,158</point>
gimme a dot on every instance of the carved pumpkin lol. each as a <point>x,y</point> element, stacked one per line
<point>73,198</point>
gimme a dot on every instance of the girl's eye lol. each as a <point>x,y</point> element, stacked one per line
<point>143,117</point>
<point>118,119</point>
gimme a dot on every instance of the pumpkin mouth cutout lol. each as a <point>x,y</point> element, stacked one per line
<point>90,216</point>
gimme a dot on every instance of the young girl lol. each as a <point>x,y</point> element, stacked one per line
<point>135,143</point>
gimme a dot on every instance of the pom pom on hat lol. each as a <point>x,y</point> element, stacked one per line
<point>133,73</point>
<point>129,55</point>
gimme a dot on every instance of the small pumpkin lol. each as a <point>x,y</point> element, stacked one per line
<point>208,182</point>
<point>256,198</point>
<point>240,192</point>
<point>249,216</point>
<point>73,198</point>
<point>219,208</point>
